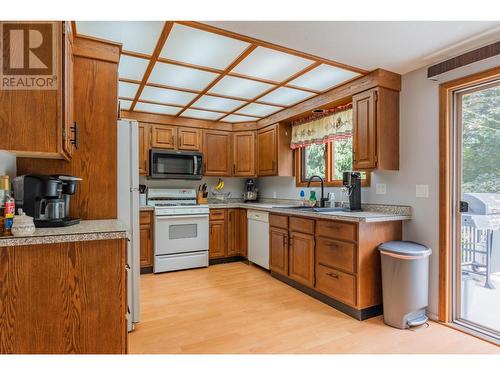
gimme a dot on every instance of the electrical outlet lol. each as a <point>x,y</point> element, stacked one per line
<point>381,189</point>
<point>275,195</point>
<point>422,191</point>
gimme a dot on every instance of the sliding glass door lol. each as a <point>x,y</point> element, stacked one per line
<point>476,207</point>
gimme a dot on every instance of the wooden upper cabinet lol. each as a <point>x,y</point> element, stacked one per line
<point>217,153</point>
<point>274,156</point>
<point>37,123</point>
<point>267,151</point>
<point>163,136</point>
<point>301,258</point>
<point>69,124</point>
<point>144,146</point>
<point>189,139</point>
<point>376,129</point>
<point>244,154</point>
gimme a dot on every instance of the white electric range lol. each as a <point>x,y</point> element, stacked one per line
<point>181,230</point>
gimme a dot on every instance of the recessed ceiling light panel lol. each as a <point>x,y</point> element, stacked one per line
<point>200,47</point>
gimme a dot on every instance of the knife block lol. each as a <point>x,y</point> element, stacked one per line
<point>200,198</point>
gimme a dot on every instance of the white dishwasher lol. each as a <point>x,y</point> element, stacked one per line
<point>258,237</point>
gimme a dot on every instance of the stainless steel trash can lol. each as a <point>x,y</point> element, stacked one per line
<point>405,283</point>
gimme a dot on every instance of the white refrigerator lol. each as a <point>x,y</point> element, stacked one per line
<point>128,210</point>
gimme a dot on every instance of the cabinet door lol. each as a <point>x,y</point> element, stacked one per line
<point>267,152</point>
<point>301,267</point>
<point>364,140</point>
<point>233,233</point>
<point>278,250</point>
<point>163,136</point>
<point>217,241</point>
<point>217,153</point>
<point>243,228</point>
<point>146,248</point>
<point>144,133</point>
<point>146,238</point>
<point>189,139</point>
<point>244,154</point>
<point>68,120</point>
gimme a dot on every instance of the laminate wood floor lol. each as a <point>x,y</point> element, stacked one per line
<point>239,308</point>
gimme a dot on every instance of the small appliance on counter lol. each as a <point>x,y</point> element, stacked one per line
<point>351,186</point>
<point>46,198</point>
<point>251,192</point>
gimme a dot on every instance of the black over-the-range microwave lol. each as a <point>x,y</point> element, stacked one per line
<point>181,165</point>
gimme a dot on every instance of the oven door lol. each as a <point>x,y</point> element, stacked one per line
<point>184,165</point>
<point>181,234</point>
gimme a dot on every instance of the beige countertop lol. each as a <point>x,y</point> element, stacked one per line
<point>370,213</point>
<point>86,230</point>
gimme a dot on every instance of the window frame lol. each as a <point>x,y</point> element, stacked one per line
<point>300,167</point>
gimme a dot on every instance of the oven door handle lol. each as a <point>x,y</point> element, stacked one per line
<point>165,217</point>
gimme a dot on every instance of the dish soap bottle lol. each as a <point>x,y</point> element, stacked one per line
<point>302,197</point>
<point>312,198</point>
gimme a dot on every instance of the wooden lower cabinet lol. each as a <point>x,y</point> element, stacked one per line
<point>278,250</point>
<point>301,258</point>
<point>233,226</point>
<point>146,239</point>
<point>338,259</point>
<point>64,298</point>
<point>228,233</point>
<point>218,239</point>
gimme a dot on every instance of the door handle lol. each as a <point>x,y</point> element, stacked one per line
<point>334,275</point>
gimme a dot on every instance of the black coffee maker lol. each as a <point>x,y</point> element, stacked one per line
<point>351,182</point>
<point>251,191</point>
<point>46,198</point>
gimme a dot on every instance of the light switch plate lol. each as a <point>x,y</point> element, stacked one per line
<point>422,191</point>
<point>381,189</point>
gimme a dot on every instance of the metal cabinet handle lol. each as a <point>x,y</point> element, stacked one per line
<point>274,165</point>
<point>334,275</point>
<point>74,130</point>
<point>333,245</point>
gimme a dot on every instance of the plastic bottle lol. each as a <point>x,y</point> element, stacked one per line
<point>303,197</point>
<point>312,198</point>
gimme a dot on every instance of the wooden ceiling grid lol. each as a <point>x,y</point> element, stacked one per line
<point>227,72</point>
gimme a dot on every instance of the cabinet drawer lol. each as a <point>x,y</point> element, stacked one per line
<point>299,224</point>
<point>145,218</point>
<point>337,230</point>
<point>278,221</point>
<point>218,214</point>
<point>337,254</point>
<point>336,284</point>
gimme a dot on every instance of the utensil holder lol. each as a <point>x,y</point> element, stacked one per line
<point>200,199</point>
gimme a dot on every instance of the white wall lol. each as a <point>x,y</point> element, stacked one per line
<point>7,164</point>
<point>419,164</point>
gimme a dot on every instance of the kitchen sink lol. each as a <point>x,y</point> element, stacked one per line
<point>311,209</point>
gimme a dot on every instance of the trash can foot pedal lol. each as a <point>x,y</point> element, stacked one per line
<point>418,321</point>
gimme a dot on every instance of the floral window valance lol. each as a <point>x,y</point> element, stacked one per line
<point>324,129</point>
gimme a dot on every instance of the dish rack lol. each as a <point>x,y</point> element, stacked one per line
<point>221,197</point>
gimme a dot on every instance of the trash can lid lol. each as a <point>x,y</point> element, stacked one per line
<point>407,248</point>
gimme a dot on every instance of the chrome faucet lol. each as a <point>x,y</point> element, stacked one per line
<point>323,199</point>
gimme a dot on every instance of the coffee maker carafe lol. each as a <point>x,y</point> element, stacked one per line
<point>351,186</point>
<point>46,198</point>
<point>250,191</point>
